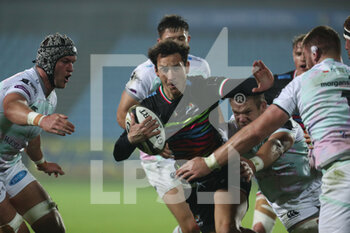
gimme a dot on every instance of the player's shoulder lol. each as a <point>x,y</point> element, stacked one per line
<point>195,59</point>
<point>146,67</point>
<point>144,71</point>
<point>26,80</point>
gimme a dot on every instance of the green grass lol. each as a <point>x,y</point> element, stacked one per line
<point>147,216</point>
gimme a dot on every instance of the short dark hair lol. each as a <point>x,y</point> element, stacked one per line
<point>257,99</point>
<point>297,39</point>
<point>173,22</point>
<point>166,48</point>
<point>347,23</point>
<point>325,38</point>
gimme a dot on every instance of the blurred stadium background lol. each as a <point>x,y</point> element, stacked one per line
<point>256,30</point>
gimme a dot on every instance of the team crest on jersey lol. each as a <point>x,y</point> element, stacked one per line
<point>18,177</point>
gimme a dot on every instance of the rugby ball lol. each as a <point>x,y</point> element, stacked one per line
<point>155,144</point>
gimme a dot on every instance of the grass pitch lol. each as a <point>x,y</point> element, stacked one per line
<point>146,216</point>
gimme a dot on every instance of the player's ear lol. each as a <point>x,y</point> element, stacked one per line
<point>156,70</point>
<point>315,54</point>
<point>188,38</point>
<point>187,67</point>
<point>158,40</point>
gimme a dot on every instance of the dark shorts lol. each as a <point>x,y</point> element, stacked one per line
<point>204,213</point>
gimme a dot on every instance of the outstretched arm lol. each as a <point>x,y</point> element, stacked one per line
<point>240,143</point>
<point>17,111</point>
<point>35,154</point>
<point>277,144</point>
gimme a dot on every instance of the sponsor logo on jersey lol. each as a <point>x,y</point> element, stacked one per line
<point>18,177</point>
<point>284,76</point>
<point>335,83</point>
<point>23,89</point>
<point>292,214</point>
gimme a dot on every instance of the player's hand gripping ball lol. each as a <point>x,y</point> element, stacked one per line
<point>155,144</point>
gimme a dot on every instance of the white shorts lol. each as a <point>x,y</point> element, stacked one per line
<point>297,209</point>
<point>14,180</point>
<point>335,199</point>
<point>161,175</point>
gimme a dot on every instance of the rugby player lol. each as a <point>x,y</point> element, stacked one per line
<point>27,104</point>
<point>264,216</point>
<point>291,187</point>
<point>321,95</point>
<point>183,104</point>
<point>142,83</point>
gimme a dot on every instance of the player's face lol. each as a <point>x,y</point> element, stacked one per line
<point>247,112</point>
<point>63,70</point>
<point>180,36</point>
<point>172,73</point>
<point>347,47</point>
<point>299,59</point>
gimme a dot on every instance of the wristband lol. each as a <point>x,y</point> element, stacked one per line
<point>258,163</point>
<point>41,161</point>
<point>211,162</point>
<point>34,118</point>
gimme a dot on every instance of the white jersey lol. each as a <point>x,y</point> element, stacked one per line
<point>291,187</point>
<point>290,174</point>
<point>14,138</point>
<point>322,97</point>
<point>144,81</point>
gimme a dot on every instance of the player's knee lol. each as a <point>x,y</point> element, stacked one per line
<point>44,217</point>
<point>13,225</point>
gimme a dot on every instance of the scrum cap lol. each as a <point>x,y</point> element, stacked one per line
<point>51,49</point>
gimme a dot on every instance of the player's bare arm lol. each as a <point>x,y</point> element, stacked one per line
<point>241,142</point>
<point>16,110</point>
<point>125,104</point>
<point>34,152</point>
<point>271,150</point>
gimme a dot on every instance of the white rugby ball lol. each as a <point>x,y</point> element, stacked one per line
<point>155,144</point>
